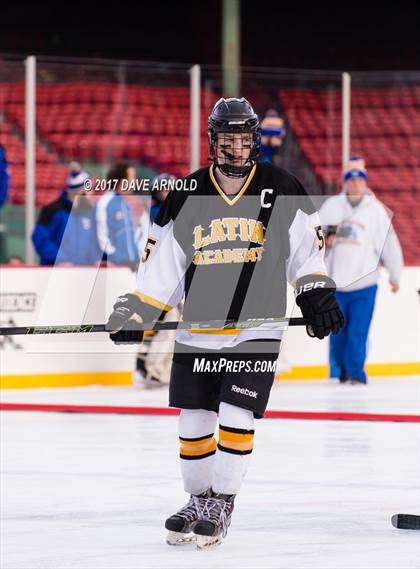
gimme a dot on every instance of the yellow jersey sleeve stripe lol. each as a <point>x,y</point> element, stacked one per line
<point>294,283</point>
<point>152,301</point>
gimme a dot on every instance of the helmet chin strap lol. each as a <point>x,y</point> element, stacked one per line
<point>234,171</point>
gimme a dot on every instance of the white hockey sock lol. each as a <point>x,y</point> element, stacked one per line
<point>234,448</point>
<point>197,448</point>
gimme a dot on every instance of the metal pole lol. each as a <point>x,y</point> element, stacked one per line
<point>231,48</point>
<point>195,122</point>
<point>346,87</point>
<point>30,145</point>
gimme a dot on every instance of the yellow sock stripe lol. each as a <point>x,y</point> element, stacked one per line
<point>196,439</point>
<point>235,437</point>
<point>236,441</point>
<point>197,448</point>
<point>245,446</point>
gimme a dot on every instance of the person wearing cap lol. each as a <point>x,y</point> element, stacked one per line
<point>359,236</point>
<point>65,231</point>
<point>272,133</point>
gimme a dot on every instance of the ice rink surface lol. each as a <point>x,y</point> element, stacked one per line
<point>92,491</point>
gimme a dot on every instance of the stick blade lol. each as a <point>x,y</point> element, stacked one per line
<point>406,521</point>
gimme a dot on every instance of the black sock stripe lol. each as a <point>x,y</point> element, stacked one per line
<point>195,439</point>
<point>197,456</point>
<point>238,431</point>
<point>233,451</point>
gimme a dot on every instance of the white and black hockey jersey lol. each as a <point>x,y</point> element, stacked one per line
<point>230,257</point>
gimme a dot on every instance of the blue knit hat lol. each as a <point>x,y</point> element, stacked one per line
<point>355,169</point>
<point>76,178</point>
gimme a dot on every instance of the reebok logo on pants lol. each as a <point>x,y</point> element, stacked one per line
<point>244,391</point>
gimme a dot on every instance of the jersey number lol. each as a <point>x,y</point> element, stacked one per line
<point>150,245</point>
<point>320,237</point>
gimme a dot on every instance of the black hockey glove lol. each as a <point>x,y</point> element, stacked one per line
<point>315,296</point>
<point>124,329</point>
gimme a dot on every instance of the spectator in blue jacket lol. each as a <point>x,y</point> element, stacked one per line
<point>65,232</point>
<point>80,244</point>
<point>4,176</point>
<point>114,219</point>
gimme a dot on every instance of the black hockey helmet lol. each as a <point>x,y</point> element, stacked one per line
<point>233,116</point>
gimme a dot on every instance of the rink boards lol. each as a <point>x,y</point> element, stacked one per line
<point>48,296</point>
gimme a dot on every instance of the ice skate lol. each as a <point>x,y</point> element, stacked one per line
<point>214,519</point>
<point>180,525</point>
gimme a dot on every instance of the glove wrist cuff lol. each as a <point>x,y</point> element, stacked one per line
<point>312,282</point>
<point>148,312</point>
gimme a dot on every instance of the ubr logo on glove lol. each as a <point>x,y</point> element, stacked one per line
<point>244,391</point>
<point>309,286</point>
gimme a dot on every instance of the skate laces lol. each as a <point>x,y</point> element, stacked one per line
<point>217,511</point>
<point>191,510</point>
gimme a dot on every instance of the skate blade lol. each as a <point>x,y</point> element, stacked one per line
<point>176,538</point>
<point>208,542</point>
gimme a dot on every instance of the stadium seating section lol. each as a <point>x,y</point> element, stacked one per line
<point>385,126</point>
<point>98,122</point>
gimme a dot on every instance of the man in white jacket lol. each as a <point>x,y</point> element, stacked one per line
<point>359,235</point>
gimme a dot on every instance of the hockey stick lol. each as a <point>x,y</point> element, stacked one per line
<point>406,521</point>
<point>261,323</point>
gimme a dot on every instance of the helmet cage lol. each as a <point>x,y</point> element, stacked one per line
<point>228,123</point>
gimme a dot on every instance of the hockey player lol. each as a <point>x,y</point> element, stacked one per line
<point>229,248</point>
